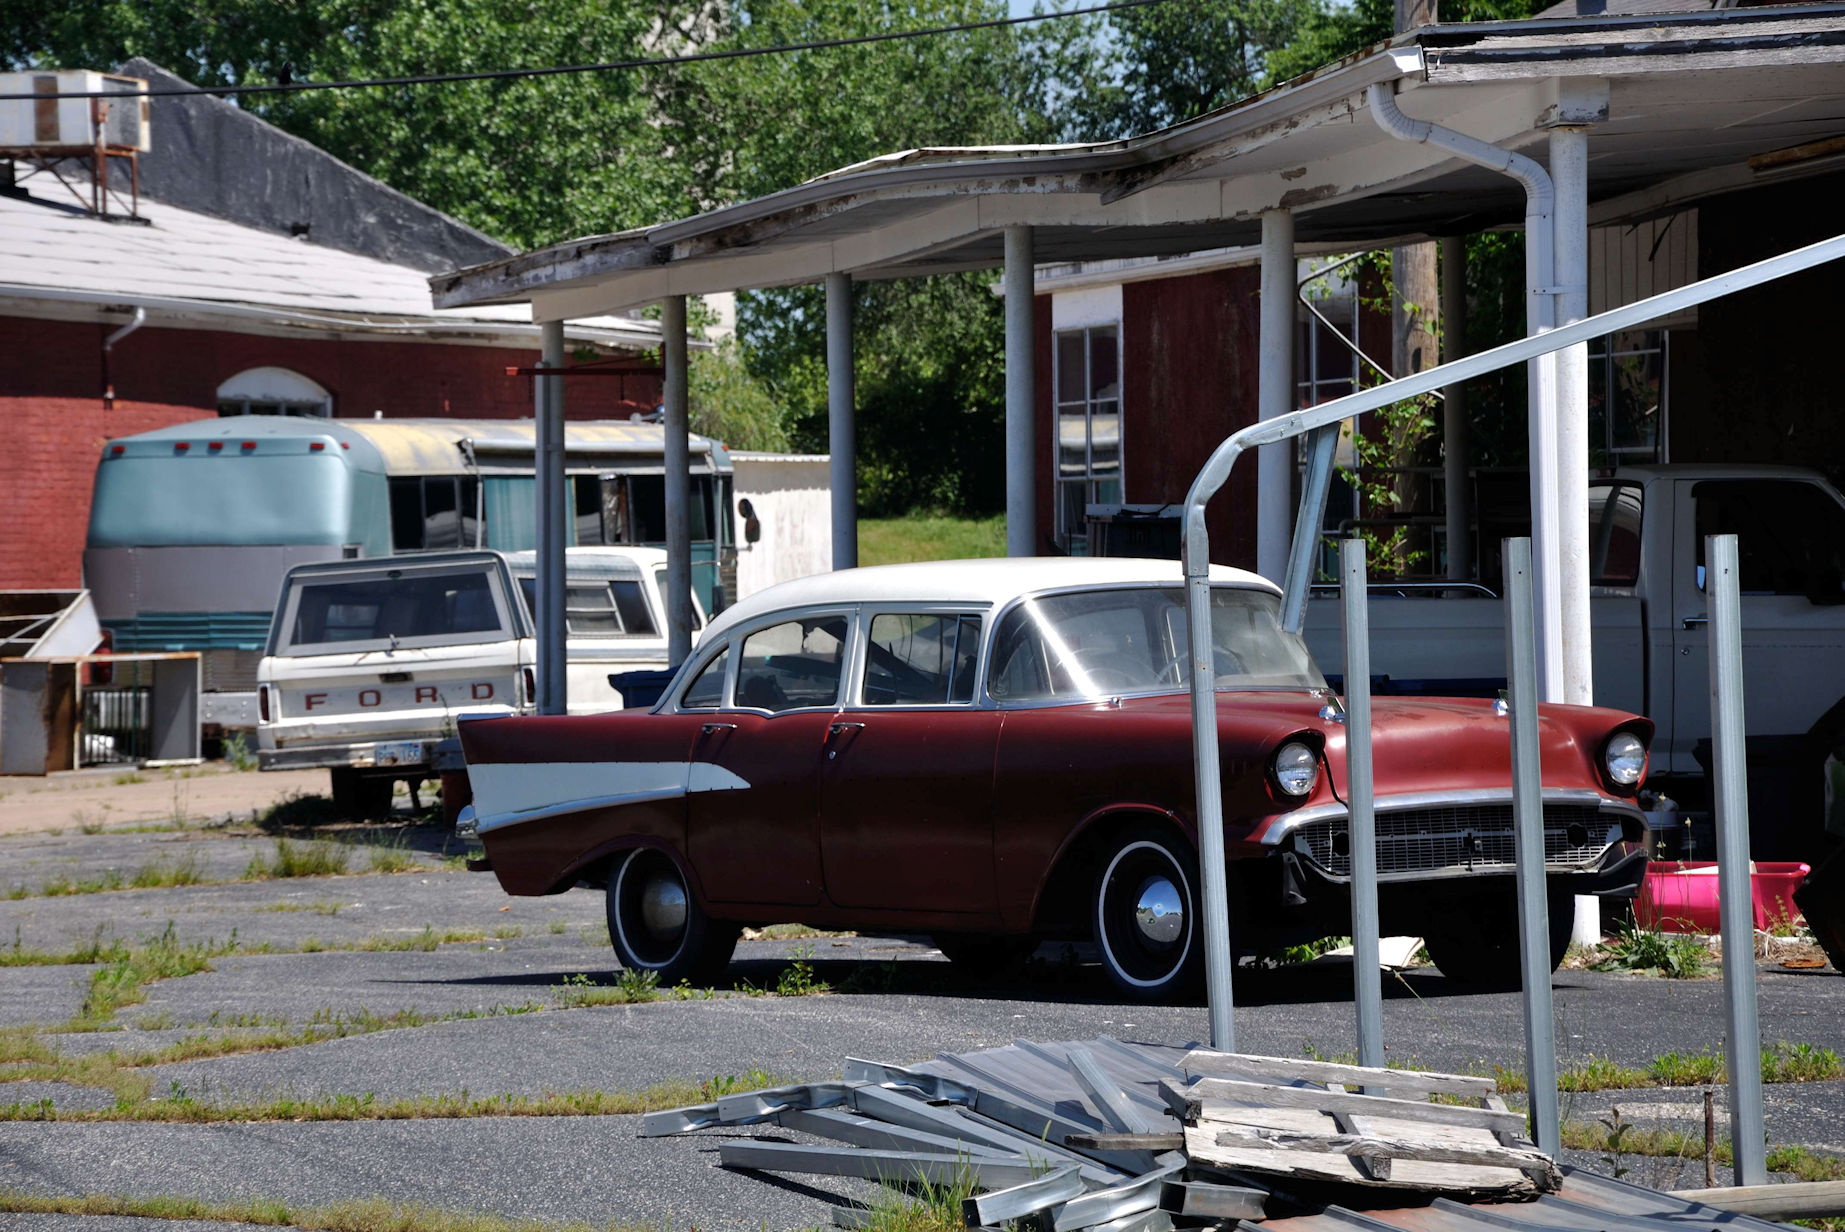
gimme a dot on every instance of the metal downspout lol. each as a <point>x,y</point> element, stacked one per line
<point>135,322</point>
<point>1540,315</point>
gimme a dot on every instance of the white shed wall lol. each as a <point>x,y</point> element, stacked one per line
<point>791,497</point>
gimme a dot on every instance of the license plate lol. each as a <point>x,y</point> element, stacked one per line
<point>398,753</point>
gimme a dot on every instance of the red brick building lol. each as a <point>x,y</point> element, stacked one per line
<point>223,298</point>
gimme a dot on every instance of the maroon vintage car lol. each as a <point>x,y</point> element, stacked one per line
<point>996,752</point>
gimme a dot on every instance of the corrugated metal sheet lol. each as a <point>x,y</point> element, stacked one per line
<point>1586,1203</point>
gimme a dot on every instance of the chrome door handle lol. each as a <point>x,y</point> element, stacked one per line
<point>839,729</point>
<point>712,728</point>
<point>1692,622</point>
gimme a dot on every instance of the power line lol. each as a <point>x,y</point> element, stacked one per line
<point>295,87</point>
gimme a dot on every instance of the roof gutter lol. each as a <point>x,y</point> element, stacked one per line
<point>1541,290</point>
<point>643,335</point>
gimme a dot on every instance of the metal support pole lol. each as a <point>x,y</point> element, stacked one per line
<point>678,458</point>
<point>1021,397</point>
<point>1454,427</point>
<point>553,509</point>
<point>1275,392</point>
<point>841,431</point>
<point>1735,891</point>
<point>1214,882</point>
<point>1569,170</point>
<point>1367,978</point>
<point>1528,832</point>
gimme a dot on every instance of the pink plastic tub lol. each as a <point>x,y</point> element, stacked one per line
<point>1682,897</point>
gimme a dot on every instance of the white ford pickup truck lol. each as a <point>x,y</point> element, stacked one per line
<point>370,661</point>
<point>1651,637</point>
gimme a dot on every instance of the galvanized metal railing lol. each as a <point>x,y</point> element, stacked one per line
<point>1324,421</point>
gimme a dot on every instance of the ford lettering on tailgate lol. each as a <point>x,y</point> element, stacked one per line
<point>346,699</point>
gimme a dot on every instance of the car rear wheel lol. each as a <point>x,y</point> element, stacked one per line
<point>983,956</point>
<point>656,924</point>
<point>1476,940</point>
<point>1146,916</point>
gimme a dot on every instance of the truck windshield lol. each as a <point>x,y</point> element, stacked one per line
<point>1103,642</point>
<point>392,608</point>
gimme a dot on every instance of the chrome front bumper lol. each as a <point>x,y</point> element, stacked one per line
<point>1435,835</point>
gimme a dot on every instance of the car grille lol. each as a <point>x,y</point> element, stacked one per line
<point>1477,836</point>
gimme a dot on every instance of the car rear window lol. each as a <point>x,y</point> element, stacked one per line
<point>395,608</point>
<point>1133,640</point>
<point>598,609</point>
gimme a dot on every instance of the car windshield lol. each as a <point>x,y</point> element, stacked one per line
<point>1103,642</point>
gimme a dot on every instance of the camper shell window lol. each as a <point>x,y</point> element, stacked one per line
<point>392,609</point>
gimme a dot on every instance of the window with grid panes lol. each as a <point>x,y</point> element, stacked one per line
<point>1087,379</point>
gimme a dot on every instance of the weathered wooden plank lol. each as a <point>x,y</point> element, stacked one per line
<point>1205,1092</point>
<point>1369,1147</point>
<point>1409,1082</point>
<point>1205,1200</point>
<point>1174,1141</point>
<point>1457,1179</point>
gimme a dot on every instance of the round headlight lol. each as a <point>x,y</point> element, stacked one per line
<point>1296,768</point>
<point>1625,758</point>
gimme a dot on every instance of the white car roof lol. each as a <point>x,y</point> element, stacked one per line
<point>993,581</point>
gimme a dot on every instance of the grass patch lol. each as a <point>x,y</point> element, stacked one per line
<point>123,979</point>
<point>178,1106</point>
<point>318,858</point>
<point>921,1208</point>
<point>323,906</point>
<point>928,536</point>
<point>424,942</point>
<point>360,1215</point>
<point>392,857</point>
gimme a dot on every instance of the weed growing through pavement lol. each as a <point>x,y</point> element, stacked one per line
<point>1674,955</point>
<point>238,754</point>
<point>317,858</point>
<point>392,857</point>
<point>123,980</point>
<point>798,979</point>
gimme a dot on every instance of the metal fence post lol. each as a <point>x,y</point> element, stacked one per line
<point>1361,832</point>
<point>1735,890</point>
<point>1528,827</point>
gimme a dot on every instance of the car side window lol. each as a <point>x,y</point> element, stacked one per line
<point>707,689</point>
<point>1790,536</point>
<point>921,659</point>
<point>792,665</point>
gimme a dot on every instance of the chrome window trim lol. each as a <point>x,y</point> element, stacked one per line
<point>735,639</point>
<point>868,612</point>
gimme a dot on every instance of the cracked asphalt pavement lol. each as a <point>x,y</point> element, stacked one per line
<point>498,1008</point>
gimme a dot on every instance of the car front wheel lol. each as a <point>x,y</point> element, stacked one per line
<point>656,924</point>
<point>1146,916</point>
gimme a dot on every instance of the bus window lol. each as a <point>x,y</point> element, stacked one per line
<point>647,509</point>
<point>586,493</point>
<point>431,512</point>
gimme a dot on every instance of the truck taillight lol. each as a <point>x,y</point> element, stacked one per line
<point>262,702</point>
<point>531,684</point>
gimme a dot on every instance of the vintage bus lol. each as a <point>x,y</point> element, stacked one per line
<point>192,527</point>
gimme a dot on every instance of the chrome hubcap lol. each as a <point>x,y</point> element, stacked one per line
<point>1159,915</point>
<point>663,906</point>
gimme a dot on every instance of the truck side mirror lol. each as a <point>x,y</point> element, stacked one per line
<point>752,528</point>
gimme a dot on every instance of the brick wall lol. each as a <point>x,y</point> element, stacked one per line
<point>52,446</point>
<point>184,367</point>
